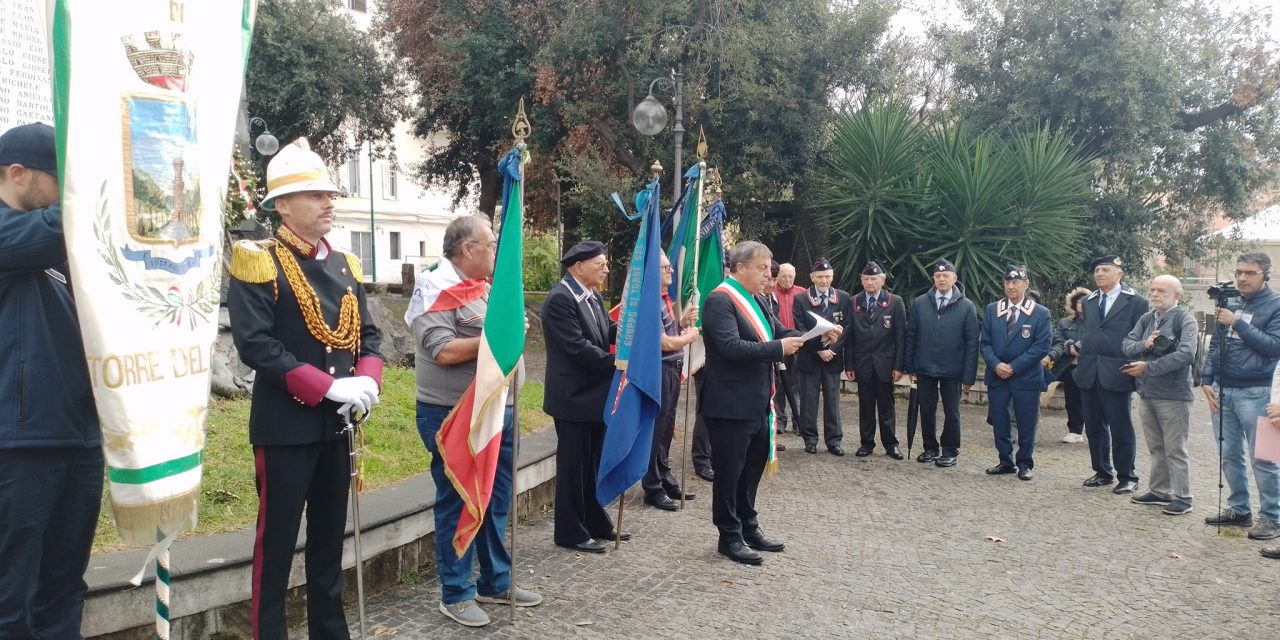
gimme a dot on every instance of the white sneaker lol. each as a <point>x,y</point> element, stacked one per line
<point>1073,438</point>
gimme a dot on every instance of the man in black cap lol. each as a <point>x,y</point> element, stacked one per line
<point>819,363</point>
<point>578,333</point>
<point>1016,334</point>
<point>875,357</point>
<point>50,444</point>
<point>1110,313</point>
<point>942,356</point>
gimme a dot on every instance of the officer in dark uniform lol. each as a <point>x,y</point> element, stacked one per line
<point>1016,334</point>
<point>875,358</point>
<point>299,319</point>
<point>580,368</point>
<point>819,363</point>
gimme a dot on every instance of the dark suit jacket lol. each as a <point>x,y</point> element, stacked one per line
<point>877,344</point>
<point>1023,350</point>
<point>1101,355</point>
<point>737,377</point>
<point>579,365</point>
<point>840,313</point>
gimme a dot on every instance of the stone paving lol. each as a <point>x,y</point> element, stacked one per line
<point>878,548</point>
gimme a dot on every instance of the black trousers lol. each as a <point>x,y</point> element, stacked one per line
<point>658,479</point>
<point>1072,395</point>
<point>1108,424</point>
<point>828,384</point>
<point>49,503</point>
<point>875,400</point>
<point>700,451</point>
<point>785,398</point>
<point>742,449</point>
<point>928,390</point>
<point>317,476</point>
<point>579,517</point>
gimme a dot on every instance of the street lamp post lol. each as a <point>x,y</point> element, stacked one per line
<point>650,118</point>
<point>266,144</point>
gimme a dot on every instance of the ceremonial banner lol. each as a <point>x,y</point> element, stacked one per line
<point>145,97</point>
<point>470,438</point>
<point>683,251</point>
<point>710,273</point>
<point>635,396</point>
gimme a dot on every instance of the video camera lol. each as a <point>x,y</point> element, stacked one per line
<point>1224,294</point>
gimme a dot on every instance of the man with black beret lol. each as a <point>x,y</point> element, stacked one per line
<point>819,363</point>
<point>875,357</point>
<point>1016,334</point>
<point>578,332</point>
<point>1110,313</point>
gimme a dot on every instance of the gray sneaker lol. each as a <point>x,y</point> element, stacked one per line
<point>1266,529</point>
<point>1229,518</point>
<point>524,597</point>
<point>1150,498</point>
<point>466,613</point>
<point>1177,508</point>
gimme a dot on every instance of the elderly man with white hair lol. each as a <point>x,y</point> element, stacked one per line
<point>1163,345</point>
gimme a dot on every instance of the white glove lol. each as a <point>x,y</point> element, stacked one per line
<point>352,393</point>
<point>371,388</point>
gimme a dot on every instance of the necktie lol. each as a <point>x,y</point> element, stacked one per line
<point>871,307</point>
<point>942,302</point>
<point>822,298</point>
<point>1012,322</point>
<point>1102,306</point>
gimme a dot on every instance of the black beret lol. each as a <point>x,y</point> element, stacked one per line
<point>585,250</point>
<point>942,266</point>
<point>872,269</point>
<point>821,264</point>
<point>1015,272</point>
<point>1111,260</point>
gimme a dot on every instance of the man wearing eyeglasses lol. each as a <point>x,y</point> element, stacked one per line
<point>1238,392</point>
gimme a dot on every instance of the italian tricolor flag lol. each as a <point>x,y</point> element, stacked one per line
<point>471,436</point>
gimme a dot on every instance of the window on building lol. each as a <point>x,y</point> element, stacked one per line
<point>395,245</point>
<point>422,248</point>
<point>362,246</point>
<point>391,191</point>
<point>357,5</point>
<point>353,175</point>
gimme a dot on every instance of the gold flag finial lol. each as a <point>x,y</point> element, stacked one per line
<point>520,127</point>
<point>702,143</point>
<point>656,169</point>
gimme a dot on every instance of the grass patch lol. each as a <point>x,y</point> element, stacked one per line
<point>393,451</point>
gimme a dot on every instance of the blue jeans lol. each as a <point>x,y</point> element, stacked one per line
<point>489,548</point>
<point>1240,410</point>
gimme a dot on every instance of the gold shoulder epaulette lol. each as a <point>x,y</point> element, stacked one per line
<point>354,263</point>
<point>251,261</point>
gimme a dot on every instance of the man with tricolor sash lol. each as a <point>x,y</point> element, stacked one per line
<point>743,343</point>
<point>448,316</point>
<point>299,318</point>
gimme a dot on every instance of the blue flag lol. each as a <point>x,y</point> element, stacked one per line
<point>635,396</point>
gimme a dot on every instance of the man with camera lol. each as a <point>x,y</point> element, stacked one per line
<point>1241,361</point>
<point>1163,343</point>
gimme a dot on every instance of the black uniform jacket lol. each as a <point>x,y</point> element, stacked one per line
<point>837,312</point>
<point>294,368</point>
<point>877,344</point>
<point>737,377</point>
<point>579,365</point>
<point>1101,355</point>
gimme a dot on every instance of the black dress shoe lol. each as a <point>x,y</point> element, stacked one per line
<point>928,455</point>
<point>1270,552</point>
<point>612,535</point>
<point>706,474</point>
<point>1099,480</point>
<point>778,446</point>
<point>863,451</point>
<point>1125,486</point>
<point>1001,469</point>
<point>836,450</point>
<point>1026,474</point>
<point>590,546</point>
<point>661,501</point>
<point>738,552</point>
<point>895,453</point>
<point>945,460</point>
<point>756,540</point>
<point>675,495</point>
<point>810,448</point>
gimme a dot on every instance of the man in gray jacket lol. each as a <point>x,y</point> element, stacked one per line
<point>1163,343</point>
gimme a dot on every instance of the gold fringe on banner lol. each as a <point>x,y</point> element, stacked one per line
<point>137,524</point>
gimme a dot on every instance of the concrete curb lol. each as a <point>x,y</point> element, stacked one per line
<point>212,574</point>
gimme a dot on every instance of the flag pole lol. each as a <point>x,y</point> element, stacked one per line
<point>688,352</point>
<point>520,130</point>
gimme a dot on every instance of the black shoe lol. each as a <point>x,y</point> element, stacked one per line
<point>706,474</point>
<point>863,451</point>
<point>895,453</point>
<point>1270,552</point>
<point>928,455</point>
<point>661,501</point>
<point>613,535</point>
<point>810,448</point>
<point>675,495</point>
<point>1026,475</point>
<point>1098,480</point>
<point>1230,518</point>
<point>836,450</point>
<point>946,460</point>
<point>590,546</point>
<point>1000,470</point>
<point>756,540</point>
<point>1125,486</point>
<point>738,552</point>
<point>778,446</point>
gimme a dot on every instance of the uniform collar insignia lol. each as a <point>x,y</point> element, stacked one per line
<point>296,243</point>
<point>1004,307</point>
<point>814,300</point>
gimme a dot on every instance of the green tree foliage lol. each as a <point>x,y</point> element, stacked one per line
<point>541,261</point>
<point>1175,100</point>
<point>906,194</point>
<point>313,73</point>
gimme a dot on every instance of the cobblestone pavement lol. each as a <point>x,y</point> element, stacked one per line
<point>878,548</point>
